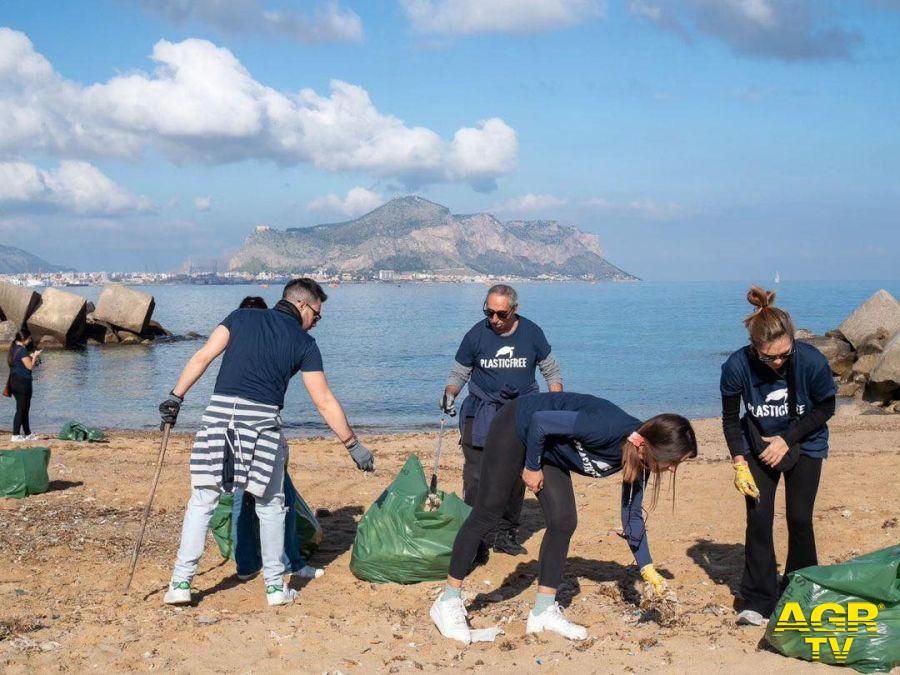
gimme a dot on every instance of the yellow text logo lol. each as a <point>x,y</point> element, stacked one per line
<point>831,618</point>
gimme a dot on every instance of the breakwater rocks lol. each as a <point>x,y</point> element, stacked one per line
<point>59,319</point>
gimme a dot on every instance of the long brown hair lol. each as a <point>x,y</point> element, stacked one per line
<point>767,323</point>
<point>669,440</point>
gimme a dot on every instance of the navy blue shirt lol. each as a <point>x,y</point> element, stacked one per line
<point>18,368</point>
<point>765,394</point>
<point>266,348</point>
<point>503,361</point>
<point>584,434</point>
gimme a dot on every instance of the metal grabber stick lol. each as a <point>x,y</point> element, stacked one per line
<point>433,499</point>
<point>140,539</point>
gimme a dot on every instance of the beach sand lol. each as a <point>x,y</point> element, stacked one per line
<point>64,561</point>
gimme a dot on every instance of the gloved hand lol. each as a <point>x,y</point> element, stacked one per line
<point>743,480</point>
<point>448,404</point>
<point>654,578</point>
<point>363,457</point>
<point>169,409</point>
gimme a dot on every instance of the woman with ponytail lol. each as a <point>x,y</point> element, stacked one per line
<point>544,438</point>
<point>21,359</point>
<point>788,395</point>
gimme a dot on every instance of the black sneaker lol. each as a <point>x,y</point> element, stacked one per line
<point>505,542</point>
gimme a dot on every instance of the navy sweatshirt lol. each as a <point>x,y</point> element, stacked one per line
<point>584,434</point>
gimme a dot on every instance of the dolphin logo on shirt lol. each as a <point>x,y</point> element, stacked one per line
<point>506,352</point>
<point>777,395</point>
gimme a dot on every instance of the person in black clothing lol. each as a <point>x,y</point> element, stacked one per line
<point>253,302</point>
<point>789,395</point>
<point>544,438</point>
<point>21,359</point>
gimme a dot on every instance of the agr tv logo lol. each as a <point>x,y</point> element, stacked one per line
<point>832,618</point>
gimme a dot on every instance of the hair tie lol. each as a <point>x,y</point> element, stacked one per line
<point>636,439</point>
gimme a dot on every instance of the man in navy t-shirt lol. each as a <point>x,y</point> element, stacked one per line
<point>497,358</point>
<point>240,443</point>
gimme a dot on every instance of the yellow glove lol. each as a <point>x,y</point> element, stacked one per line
<point>743,480</point>
<point>654,578</point>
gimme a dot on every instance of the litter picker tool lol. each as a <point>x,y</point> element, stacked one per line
<point>433,502</point>
<point>159,462</point>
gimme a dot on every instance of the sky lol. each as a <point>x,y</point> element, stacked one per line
<point>699,139</point>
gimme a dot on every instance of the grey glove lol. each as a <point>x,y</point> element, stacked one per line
<point>169,409</point>
<point>448,404</point>
<point>363,457</point>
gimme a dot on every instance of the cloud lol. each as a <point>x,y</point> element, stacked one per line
<point>203,203</point>
<point>466,17</point>
<point>788,30</point>
<point>74,187</point>
<point>531,202</point>
<point>327,22</point>
<point>202,105</point>
<point>358,201</point>
<point>645,209</point>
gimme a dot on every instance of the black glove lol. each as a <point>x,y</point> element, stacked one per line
<point>448,404</point>
<point>169,409</point>
<point>362,456</point>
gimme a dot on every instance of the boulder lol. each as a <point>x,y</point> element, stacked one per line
<point>17,303</point>
<point>802,333</point>
<point>154,329</point>
<point>62,315</point>
<point>849,388</point>
<point>838,352</point>
<point>884,380</point>
<point>865,364</point>
<point>8,332</point>
<point>50,342</point>
<point>874,344</point>
<point>128,338</point>
<point>880,312</point>
<point>124,308</point>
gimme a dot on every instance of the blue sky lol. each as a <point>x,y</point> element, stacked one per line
<point>700,139</point>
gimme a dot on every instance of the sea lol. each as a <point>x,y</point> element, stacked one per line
<point>650,347</point>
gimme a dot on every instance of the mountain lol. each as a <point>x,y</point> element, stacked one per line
<point>17,261</point>
<point>411,234</point>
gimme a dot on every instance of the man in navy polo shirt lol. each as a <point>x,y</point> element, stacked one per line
<point>240,443</point>
<point>497,358</point>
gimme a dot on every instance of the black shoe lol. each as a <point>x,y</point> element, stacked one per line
<point>505,542</point>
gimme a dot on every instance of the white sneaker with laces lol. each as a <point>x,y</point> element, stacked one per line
<point>554,620</point>
<point>748,617</point>
<point>179,593</point>
<point>29,437</point>
<point>309,572</point>
<point>16,439</point>
<point>450,617</point>
<point>280,595</point>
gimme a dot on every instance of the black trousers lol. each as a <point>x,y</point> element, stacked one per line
<point>473,459</point>
<point>759,586</point>
<point>501,473</point>
<point>21,390</point>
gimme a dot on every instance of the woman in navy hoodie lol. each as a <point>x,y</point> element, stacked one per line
<point>543,438</point>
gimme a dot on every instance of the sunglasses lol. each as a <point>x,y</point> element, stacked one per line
<point>503,316</point>
<point>769,358</point>
<point>316,315</point>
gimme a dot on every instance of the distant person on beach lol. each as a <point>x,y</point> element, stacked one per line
<point>497,358</point>
<point>21,359</point>
<point>245,524</point>
<point>240,443</point>
<point>541,439</point>
<point>789,396</point>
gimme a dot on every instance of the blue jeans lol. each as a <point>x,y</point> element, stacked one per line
<point>245,533</point>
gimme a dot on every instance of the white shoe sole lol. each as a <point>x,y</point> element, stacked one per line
<point>532,629</point>
<point>433,613</point>
<point>177,597</point>
<point>279,599</point>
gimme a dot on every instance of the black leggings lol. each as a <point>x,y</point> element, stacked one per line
<point>21,390</point>
<point>759,586</point>
<point>501,468</point>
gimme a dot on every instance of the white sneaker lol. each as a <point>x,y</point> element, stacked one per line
<point>554,620</point>
<point>280,595</point>
<point>179,593</point>
<point>29,437</point>
<point>16,439</point>
<point>450,618</point>
<point>750,618</point>
<point>309,572</point>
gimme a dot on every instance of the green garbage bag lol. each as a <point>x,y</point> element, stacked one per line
<point>398,541</point>
<point>220,525</point>
<point>864,604</point>
<point>23,472</point>
<point>76,431</point>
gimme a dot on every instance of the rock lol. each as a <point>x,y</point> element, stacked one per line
<point>50,342</point>
<point>849,389</point>
<point>874,344</point>
<point>90,308</point>
<point>92,342</point>
<point>8,332</point>
<point>884,380</point>
<point>17,303</point>
<point>837,335</point>
<point>154,329</point>
<point>205,620</point>
<point>125,308</point>
<point>802,333</point>
<point>880,312</point>
<point>838,353</point>
<point>865,364</point>
<point>61,315</point>
<point>128,338</point>
<point>50,646</point>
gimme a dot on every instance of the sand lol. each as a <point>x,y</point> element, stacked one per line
<point>64,558</point>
